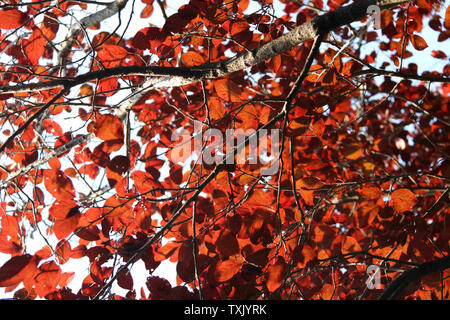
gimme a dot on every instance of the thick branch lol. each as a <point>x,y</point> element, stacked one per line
<point>172,77</point>
<point>86,22</point>
<point>54,153</point>
<point>398,286</point>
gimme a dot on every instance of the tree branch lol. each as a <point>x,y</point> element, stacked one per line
<point>400,284</point>
<point>86,22</point>
<point>173,76</point>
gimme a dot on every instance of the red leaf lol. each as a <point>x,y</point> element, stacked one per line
<point>63,209</point>
<point>35,46</point>
<point>112,55</point>
<point>47,278</point>
<point>225,270</point>
<point>16,270</point>
<point>147,11</point>
<point>403,200</point>
<point>227,244</point>
<point>50,26</point>
<point>228,91</point>
<point>58,184</point>
<point>447,18</point>
<point>418,42</point>
<point>349,244</point>
<point>12,19</point>
<point>63,228</point>
<point>192,58</point>
<point>275,274</point>
<point>63,251</point>
<point>108,87</point>
<point>109,127</point>
<point>371,192</point>
<point>125,280</point>
<point>144,181</point>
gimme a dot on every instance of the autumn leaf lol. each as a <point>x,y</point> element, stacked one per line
<point>192,58</point>
<point>16,269</point>
<point>402,200</point>
<point>35,46</point>
<point>228,91</point>
<point>225,270</point>
<point>275,274</point>
<point>47,278</point>
<point>144,181</point>
<point>50,26</point>
<point>125,280</point>
<point>227,244</point>
<point>12,18</point>
<point>349,245</point>
<point>418,42</point>
<point>447,18</point>
<point>58,184</point>
<point>108,127</point>
<point>371,191</point>
<point>112,55</point>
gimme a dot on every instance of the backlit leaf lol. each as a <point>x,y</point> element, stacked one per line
<point>403,200</point>
<point>349,245</point>
<point>109,127</point>
<point>276,274</point>
<point>418,42</point>
<point>58,184</point>
<point>12,18</point>
<point>225,270</point>
<point>16,270</point>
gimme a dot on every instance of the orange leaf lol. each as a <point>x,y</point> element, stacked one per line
<point>63,209</point>
<point>227,244</point>
<point>50,26</point>
<point>303,255</point>
<point>108,87</point>
<point>63,251</point>
<point>112,55</point>
<point>144,181</point>
<point>371,192</point>
<point>86,90</point>
<point>318,127</point>
<point>116,207</point>
<point>276,273</point>
<point>227,90</point>
<point>192,58</point>
<point>225,270</point>
<point>147,11</point>
<point>58,184</point>
<point>47,279</point>
<point>418,42</point>
<point>349,245</point>
<point>16,269</point>
<point>305,185</point>
<point>109,127</point>
<point>326,292</point>
<point>64,228</point>
<point>35,46</point>
<point>403,200</point>
<point>447,18</point>
<point>310,182</point>
<point>12,19</point>
<point>352,152</point>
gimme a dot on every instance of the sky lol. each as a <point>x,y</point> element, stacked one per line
<point>167,269</point>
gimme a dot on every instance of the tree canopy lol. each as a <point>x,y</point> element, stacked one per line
<point>267,149</point>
